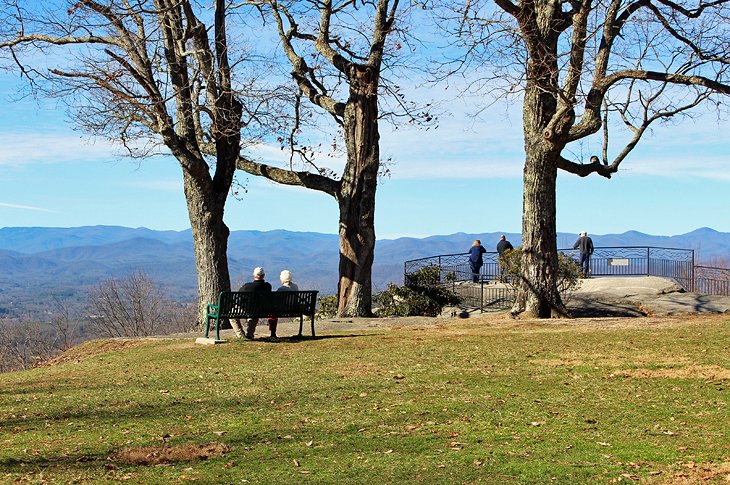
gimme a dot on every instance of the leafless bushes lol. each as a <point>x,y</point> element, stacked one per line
<point>131,306</point>
<point>25,342</point>
<point>135,306</point>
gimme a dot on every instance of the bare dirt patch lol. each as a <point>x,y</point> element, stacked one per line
<point>155,455</point>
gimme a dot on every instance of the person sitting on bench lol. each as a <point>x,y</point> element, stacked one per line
<point>286,285</point>
<point>258,285</point>
<point>286,282</point>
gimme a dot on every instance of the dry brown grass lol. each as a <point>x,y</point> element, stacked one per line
<point>89,349</point>
<point>709,373</point>
<point>691,473</point>
<point>157,455</point>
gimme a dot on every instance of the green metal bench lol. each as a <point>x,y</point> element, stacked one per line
<point>280,304</point>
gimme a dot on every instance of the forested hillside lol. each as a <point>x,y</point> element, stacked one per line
<point>42,265</point>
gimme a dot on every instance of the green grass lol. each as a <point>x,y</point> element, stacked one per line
<point>466,402</point>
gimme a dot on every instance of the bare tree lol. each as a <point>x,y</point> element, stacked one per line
<point>582,68</point>
<point>132,306</point>
<point>150,74</point>
<point>65,328</point>
<point>337,52</point>
<point>25,342</point>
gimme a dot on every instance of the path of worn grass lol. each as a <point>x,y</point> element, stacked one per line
<point>462,403</point>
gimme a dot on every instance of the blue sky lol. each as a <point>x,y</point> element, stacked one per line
<point>464,176</point>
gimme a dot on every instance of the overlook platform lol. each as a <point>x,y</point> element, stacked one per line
<point>672,267</point>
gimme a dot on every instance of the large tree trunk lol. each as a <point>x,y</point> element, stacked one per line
<point>357,197</point>
<point>538,295</point>
<point>210,241</point>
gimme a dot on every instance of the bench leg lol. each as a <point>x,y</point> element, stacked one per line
<point>301,323</point>
<point>313,326</point>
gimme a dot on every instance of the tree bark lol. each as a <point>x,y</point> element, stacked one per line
<point>356,197</point>
<point>538,295</point>
<point>210,240</point>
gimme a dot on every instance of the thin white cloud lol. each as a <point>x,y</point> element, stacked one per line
<point>698,167</point>
<point>25,207</point>
<point>27,148</point>
<point>273,155</point>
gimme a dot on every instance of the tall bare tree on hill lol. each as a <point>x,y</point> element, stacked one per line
<point>337,52</point>
<point>583,68</point>
<point>147,74</point>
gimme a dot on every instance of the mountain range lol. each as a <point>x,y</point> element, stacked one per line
<point>42,263</point>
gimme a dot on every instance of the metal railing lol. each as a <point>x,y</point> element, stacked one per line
<point>712,281</point>
<point>673,263</point>
<point>479,295</point>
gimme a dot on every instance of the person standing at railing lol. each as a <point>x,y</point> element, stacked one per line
<point>502,247</point>
<point>585,245</point>
<point>475,259</point>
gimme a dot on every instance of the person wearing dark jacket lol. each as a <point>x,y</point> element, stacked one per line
<point>475,259</point>
<point>585,245</point>
<point>502,247</point>
<point>258,285</point>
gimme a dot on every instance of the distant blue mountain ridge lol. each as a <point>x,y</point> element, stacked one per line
<point>68,261</point>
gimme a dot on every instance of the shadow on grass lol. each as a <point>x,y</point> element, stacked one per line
<point>117,457</point>
<point>296,339</point>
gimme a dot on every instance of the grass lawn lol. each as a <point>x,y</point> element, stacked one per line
<point>467,401</point>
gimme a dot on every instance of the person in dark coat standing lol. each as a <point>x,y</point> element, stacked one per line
<point>258,285</point>
<point>475,259</point>
<point>502,247</point>
<point>585,245</point>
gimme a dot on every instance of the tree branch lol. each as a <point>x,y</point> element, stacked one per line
<point>585,169</point>
<point>508,7</point>
<point>291,177</point>
<point>691,13</point>
<point>672,78</point>
<point>48,39</point>
<point>301,71</point>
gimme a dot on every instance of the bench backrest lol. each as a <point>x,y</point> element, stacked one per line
<point>241,304</point>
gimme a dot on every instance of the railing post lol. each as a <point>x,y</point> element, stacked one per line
<point>648,261</point>
<point>481,302</point>
<point>692,273</point>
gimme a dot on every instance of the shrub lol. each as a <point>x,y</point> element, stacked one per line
<point>568,272</point>
<point>404,301</point>
<point>326,306</point>
<point>428,276</point>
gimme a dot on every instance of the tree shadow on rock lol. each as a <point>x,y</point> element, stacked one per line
<point>589,308</point>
